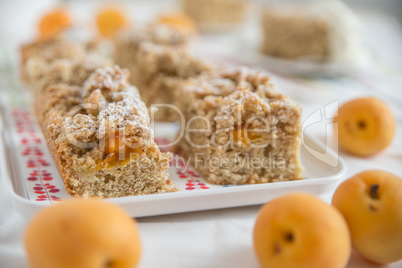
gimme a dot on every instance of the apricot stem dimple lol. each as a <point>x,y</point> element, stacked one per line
<point>289,237</point>
<point>108,263</point>
<point>362,124</point>
<point>374,191</point>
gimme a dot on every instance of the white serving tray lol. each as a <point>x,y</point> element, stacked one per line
<point>32,182</point>
<point>321,179</point>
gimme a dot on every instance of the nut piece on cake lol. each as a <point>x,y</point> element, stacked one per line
<point>100,137</point>
<point>240,129</point>
<point>216,15</point>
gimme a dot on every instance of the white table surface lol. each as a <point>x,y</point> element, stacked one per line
<point>223,238</point>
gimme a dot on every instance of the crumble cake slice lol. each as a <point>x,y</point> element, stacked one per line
<point>80,37</point>
<point>100,137</point>
<point>159,62</point>
<point>160,72</point>
<point>322,31</point>
<point>216,15</point>
<point>51,68</point>
<point>294,36</point>
<point>240,129</point>
<point>55,60</point>
<point>128,41</point>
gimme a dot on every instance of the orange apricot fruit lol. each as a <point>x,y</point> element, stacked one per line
<point>178,21</point>
<point>299,230</point>
<point>54,22</point>
<point>82,234</point>
<point>371,203</point>
<point>109,20</point>
<point>365,126</point>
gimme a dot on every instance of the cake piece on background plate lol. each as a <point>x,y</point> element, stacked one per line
<point>216,15</point>
<point>317,31</point>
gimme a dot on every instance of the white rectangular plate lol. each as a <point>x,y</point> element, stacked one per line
<point>32,181</point>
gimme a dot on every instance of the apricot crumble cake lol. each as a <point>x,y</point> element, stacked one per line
<point>160,72</point>
<point>213,15</point>
<point>100,137</point>
<point>294,36</point>
<point>314,31</point>
<point>128,41</point>
<point>158,62</point>
<point>65,63</point>
<point>240,129</point>
<point>81,37</point>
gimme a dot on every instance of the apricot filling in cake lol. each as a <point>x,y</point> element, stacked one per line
<point>245,135</point>
<point>116,152</point>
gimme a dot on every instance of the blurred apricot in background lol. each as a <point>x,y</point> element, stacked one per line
<point>179,21</point>
<point>109,20</point>
<point>54,22</point>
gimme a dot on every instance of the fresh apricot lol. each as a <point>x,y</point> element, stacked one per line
<point>82,234</point>
<point>179,21</point>
<point>109,20</point>
<point>299,230</point>
<point>371,203</point>
<point>365,126</point>
<point>54,22</point>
